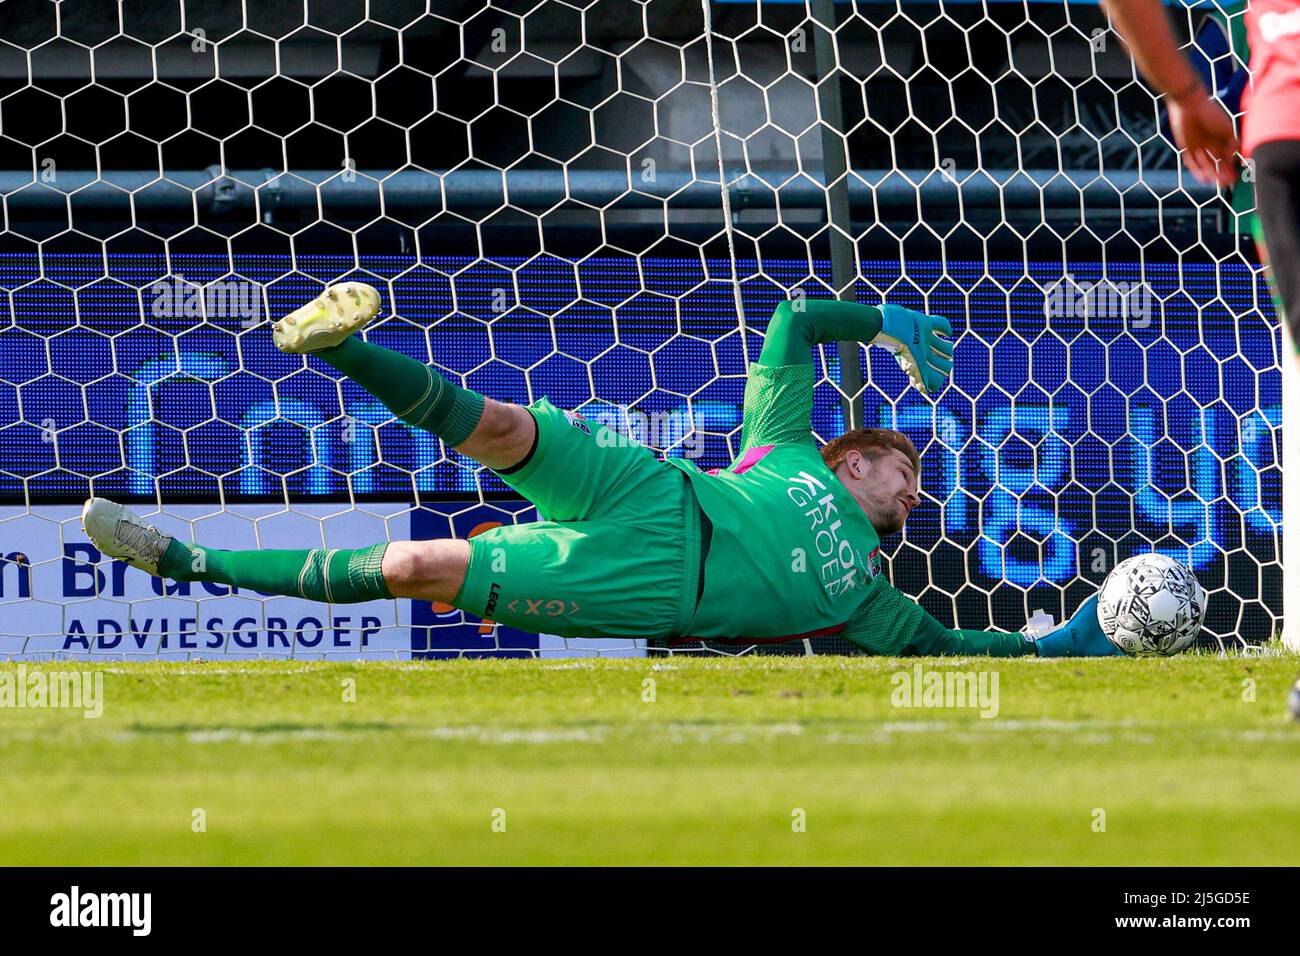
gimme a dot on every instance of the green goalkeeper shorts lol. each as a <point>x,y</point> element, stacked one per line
<point>617,553</point>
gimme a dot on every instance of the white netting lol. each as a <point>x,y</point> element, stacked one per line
<point>537,188</point>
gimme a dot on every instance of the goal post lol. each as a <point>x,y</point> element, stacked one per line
<point>602,203</point>
<point>1290,370</point>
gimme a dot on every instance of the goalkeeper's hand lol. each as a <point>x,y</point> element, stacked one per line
<point>914,338</point>
<point>1080,636</point>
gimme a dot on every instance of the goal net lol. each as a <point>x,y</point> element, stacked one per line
<point>602,202</point>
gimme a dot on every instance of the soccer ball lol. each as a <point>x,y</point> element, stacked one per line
<point>1151,604</point>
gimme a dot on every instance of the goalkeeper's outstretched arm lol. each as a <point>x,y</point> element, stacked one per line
<point>779,392</point>
<point>918,340</point>
<point>890,623</point>
<point>799,324</point>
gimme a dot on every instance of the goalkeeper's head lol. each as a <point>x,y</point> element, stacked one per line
<point>880,467</point>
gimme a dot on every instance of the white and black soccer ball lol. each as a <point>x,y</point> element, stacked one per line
<point>1151,604</point>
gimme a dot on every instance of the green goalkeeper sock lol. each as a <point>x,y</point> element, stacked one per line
<point>411,390</point>
<point>337,575</point>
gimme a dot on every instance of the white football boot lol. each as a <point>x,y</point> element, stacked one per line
<point>328,319</point>
<point>120,533</point>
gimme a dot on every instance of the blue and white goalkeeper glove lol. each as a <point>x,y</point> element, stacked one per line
<point>1080,636</point>
<point>914,338</point>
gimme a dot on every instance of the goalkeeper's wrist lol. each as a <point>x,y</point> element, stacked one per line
<point>1063,641</point>
<point>897,327</point>
<point>1046,647</point>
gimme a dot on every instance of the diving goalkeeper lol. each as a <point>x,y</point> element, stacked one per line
<point>782,544</point>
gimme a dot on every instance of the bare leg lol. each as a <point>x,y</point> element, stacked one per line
<point>490,432</point>
<point>497,435</point>
<point>426,570</point>
<point>503,436</point>
<point>435,570</point>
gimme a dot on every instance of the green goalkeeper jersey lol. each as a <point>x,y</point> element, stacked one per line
<point>792,553</point>
<point>784,527</point>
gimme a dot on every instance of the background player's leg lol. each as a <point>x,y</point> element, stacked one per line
<point>1277,190</point>
<point>1277,199</point>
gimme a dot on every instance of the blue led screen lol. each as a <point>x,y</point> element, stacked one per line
<point>1117,428</point>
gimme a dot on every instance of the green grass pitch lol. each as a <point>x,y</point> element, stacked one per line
<point>714,770</point>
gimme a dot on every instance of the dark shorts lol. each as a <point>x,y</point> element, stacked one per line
<point>1277,199</point>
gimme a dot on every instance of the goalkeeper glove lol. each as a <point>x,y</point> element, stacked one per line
<point>914,338</point>
<point>1080,636</point>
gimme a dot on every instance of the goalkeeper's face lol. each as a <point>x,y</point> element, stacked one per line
<point>885,486</point>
